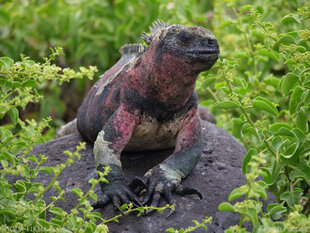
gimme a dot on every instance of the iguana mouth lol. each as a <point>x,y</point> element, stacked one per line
<point>203,54</point>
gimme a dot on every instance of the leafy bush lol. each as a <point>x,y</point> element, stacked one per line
<point>262,84</point>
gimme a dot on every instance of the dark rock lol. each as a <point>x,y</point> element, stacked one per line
<point>215,176</point>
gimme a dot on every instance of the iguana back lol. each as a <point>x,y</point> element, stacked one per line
<point>104,97</point>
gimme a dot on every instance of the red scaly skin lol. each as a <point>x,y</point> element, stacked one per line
<point>147,101</point>
<point>124,123</point>
<point>158,80</point>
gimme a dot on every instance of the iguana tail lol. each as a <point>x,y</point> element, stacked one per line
<point>66,129</point>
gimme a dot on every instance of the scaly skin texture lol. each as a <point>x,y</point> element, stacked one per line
<point>147,101</point>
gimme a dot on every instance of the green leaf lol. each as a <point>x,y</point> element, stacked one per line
<point>45,169</point>
<point>94,197</point>
<point>247,128</point>
<point>295,99</point>
<point>43,223</point>
<point>276,210</point>
<point>10,157</point>
<point>304,169</point>
<point>283,131</point>
<point>29,63</point>
<point>276,169</point>
<point>225,89</point>
<point>246,8</point>
<point>260,189</point>
<point>288,82</point>
<point>240,54</point>
<point>241,82</point>
<point>34,188</point>
<point>226,23</point>
<point>4,17</point>
<point>226,105</point>
<point>296,139</point>
<point>290,18</point>
<point>170,230</point>
<point>8,213</point>
<point>96,215</point>
<point>56,210</point>
<point>237,126</point>
<point>13,114</point>
<point>247,158</point>
<point>269,53</point>
<point>20,186</point>
<point>287,40</point>
<point>277,143</point>
<point>302,120</point>
<point>251,213</point>
<point>265,173</point>
<point>272,81</point>
<point>6,86</point>
<point>5,135</point>
<point>277,126</point>
<point>57,222</point>
<point>88,229</point>
<point>33,158</point>
<point>7,62</point>
<point>29,83</point>
<point>236,193</point>
<point>264,104</point>
<point>226,206</point>
<point>292,197</point>
<point>78,192</point>
<point>208,80</point>
<point>124,206</point>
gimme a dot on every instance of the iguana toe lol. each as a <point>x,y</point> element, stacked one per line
<point>161,186</point>
<point>119,193</point>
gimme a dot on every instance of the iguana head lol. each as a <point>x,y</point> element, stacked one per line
<point>195,46</point>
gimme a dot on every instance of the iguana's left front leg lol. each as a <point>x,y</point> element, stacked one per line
<point>166,177</point>
<point>107,151</point>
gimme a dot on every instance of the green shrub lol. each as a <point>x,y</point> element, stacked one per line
<point>262,84</point>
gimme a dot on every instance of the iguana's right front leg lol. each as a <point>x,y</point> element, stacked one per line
<point>107,150</point>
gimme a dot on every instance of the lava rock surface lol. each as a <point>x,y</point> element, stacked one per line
<point>215,176</point>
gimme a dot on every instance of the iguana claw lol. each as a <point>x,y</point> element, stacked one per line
<point>137,182</point>
<point>119,193</point>
<point>160,186</point>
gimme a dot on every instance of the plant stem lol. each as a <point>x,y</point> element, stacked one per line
<point>213,94</point>
<point>248,42</point>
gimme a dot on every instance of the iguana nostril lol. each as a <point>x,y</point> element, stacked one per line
<point>212,42</point>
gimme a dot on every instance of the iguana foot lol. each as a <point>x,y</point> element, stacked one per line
<point>160,185</point>
<point>119,193</point>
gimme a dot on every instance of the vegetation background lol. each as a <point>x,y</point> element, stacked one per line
<point>258,91</point>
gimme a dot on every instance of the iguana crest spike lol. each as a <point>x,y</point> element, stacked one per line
<point>154,29</point>
<point>132,48</point>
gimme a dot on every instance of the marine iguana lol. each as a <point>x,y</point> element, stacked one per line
<point>147,101</point>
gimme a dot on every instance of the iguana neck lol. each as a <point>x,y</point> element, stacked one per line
<point>162,77</point>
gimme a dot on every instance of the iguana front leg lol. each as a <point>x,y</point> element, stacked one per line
<point>166,177</point>
<point>107,150</point>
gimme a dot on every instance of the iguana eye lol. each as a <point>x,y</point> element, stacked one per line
<point>184,37</point>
